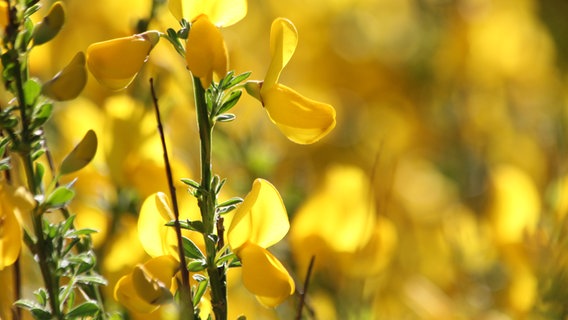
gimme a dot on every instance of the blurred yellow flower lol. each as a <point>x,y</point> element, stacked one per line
<point>221,12</point>
<point>261,221</point>
<point>116,62</point>
<point>302,120</point>
<point>4,16</point>
<point>12,202</point>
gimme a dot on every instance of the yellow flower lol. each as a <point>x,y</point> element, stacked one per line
<point>116,62</point>
<point>300,119</point>
<point>148,286</point>
<point>260,222</point>
<point>12,202</point>
<point>206,53</point>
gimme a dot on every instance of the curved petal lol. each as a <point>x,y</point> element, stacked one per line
<point>152,280</point>
<point>302,120</point>
<point>265,276</point>
<point>283,42</point>
<point>115,63</point>
<point>125,294</point>
<point>221,12</point>
<point>261,218</point>
<point>69,82</point>
<point>206,52</point>
<point>152,232</point>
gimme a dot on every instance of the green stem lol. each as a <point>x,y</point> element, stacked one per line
<point>206,203</point>
<point>185,290</point>
<point>49,278</point>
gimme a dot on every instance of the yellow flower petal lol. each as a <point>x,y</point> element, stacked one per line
<point>221,12</point>
<point>12,202</point>
<point>4,16</point>
<point>148,286</point>
<point>69,82</point>
<point>152,232</point>
<point>264,275</point>
<point>125,294</point>
<point>261,219</point>
<point>283,42</point>
<point>153,280</point>
<point>302,120</point>
<point>206,52</point>
<point>115,63</point>
<point>10,234</point>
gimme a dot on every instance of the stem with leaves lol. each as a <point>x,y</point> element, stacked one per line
<point>206,202</point>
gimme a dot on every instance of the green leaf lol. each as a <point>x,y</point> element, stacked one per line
<point>225,117</point>
<point>197,265</point>
<point>4,164</point>
<point>42,114</point>
<point>32,90</point>
<point>223,83</point>
<point>231,101</point>
<point>80,232</point>
<point>91,280</point>
<point>81,155</point>
<point>242,317</point>
<point>68,224</point>
<point>238,79</point>
<point>191,183</point>
<point>188,225</point>
<point>191,250</point>
<point>38,173</point>
<point>201,288</point>
<point>85,309</point>
<point>59,197</point>
<point>41,296</point>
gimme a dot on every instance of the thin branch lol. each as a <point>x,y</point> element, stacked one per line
<point>305,290</point>
<point>186,302</point>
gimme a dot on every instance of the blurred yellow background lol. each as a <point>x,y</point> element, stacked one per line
<point>442,192</point>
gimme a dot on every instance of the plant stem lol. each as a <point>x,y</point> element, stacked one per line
<point>50,279</point>
<point>185,290</point>
<point>206,201</point>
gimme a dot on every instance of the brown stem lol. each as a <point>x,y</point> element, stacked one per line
<point>185,290</point>
<point>305,290</point>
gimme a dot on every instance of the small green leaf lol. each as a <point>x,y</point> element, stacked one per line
<point>32,90</point>
<point>188,225</point>
<point>238,79</point>
<point>231,101</point>
<point>68,224</point>
<point>59,197</point>
<point>197,265</point>
<point>81,155</point>
<point>242,317</point>
<point>201,288</point>
<point>191,183</point>
<point>90,280</point>
<point>225,117</point>
<point>38,173</point>
<point>80,232</point>
<point>88,308</point>
<point>42,114</point>
<point>191,250</point>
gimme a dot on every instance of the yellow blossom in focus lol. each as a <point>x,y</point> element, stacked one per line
<point>261,221</point>
<point>148,285</point>
<point>116,62</point>
<point>302,120</point>
<point>206,53</point>
<point>12,202</point>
